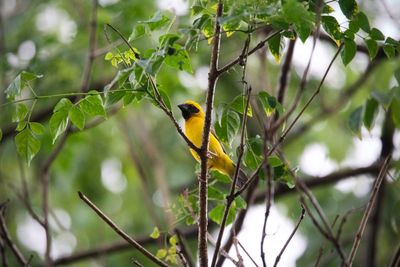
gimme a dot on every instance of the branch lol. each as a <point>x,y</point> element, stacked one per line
<point>290,237</point>
<point>285,71</point>
<point>121,233</point>
<point>368,210</point>
<point>283,136</point>
<point>184,248</point>
<point>269,197</point>
<point>396,258</point>
<point>388,130</point>
<point>251,51</point>
<point>7,238</point>
<point>238,223</point>
<point>231,197</point>
<point>203,183</point>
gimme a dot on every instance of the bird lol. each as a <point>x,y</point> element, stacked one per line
<point>217,158</point>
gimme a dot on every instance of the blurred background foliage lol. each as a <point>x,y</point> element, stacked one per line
<point>134,165</point>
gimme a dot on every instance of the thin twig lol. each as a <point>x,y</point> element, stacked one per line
<point>247,253</point>
<point>184,248</point>
<point>283,136</point>
<point>231,198</point>
<point>290,237</point>
<point>268,203</point>
<point>283,80</point>
<point>121,233</point>
<point>303,81</point>
<point>260,45</point>
<point>321,249</point>
<point>368,209</point>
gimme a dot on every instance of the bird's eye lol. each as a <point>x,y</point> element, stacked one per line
<point>193,109</point>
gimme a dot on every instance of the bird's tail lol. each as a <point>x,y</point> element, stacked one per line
<point>242,178</point>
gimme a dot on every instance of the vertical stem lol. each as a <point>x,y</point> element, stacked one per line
<point>203,183</point>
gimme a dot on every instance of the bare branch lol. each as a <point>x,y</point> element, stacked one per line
<point>203,179</point>
<point>184,248</point>
<point>290,237</point>
<point>7,238</point>
<point>121,233</point>
<point>368,209</point>
<point>231,197</point>
<point>396,258</point>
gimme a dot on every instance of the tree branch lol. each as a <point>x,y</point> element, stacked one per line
<point>203,179</point>
<point>290,237</point>
<point>368,209</point>
<point>121,233</point>
<point>7,238</point>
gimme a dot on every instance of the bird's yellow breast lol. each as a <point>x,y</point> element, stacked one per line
<point>218,160</point>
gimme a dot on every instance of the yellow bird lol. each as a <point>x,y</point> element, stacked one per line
<point>218,159</point>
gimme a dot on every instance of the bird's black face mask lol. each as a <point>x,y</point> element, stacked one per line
<point>188,110</point>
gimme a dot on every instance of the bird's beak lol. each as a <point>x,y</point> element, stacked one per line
<point>182,107</point>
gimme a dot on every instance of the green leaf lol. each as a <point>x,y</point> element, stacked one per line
<point>384,98</point>
<point>21,125</point>
<point>20,113</point>
<point>19,83</point>
<point>228,127</point>
<point>274,45</point>
<point>119,79</point>
<point>137,32</point>
<point>196,9</point>
<point>353,26</point>
<point>221,177</point>
<point>156,233</point>
<point>113,97</point>
<point>161,253</point>
<point>128,98</point>
<point>215,193</point>
<point>1,134</point>
<point>178,58</point>
<point>37,128</point>
<point>240,203</point>
<point>296,13</point>
<point>372,47</point>
<point>389,50</point>
<point>274,161</point>
<point>77,117</point>
<point>165,98</point>
<point>93,105</point>
<point>230,28</point>
<point>376,34</point>
<point>58,123</point>
<point>108,56</point>
<point>349,8</point>
<point>239,104</point>
<point>27,144</point>
<point>168,39</point>
<point>270,104</point>
<point>397,75</point>
<point>217,213</point>
<point>349,51</point>
<point>331,26</point>
<point>173,240</point>
<point>156,22</point>
<point>396,112</point>
<point>363,22</point>
<point>355,121</point>
<point>63,105</point>
<point>371,108</point>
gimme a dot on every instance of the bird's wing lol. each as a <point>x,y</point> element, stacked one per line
<point>219,141</point>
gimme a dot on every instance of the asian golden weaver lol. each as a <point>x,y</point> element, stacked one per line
<point>218,160</point>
